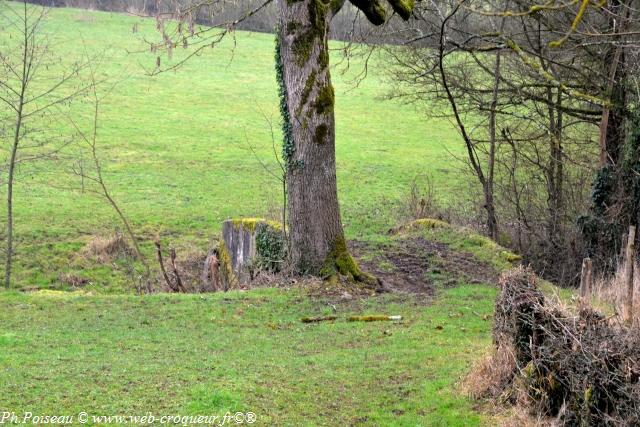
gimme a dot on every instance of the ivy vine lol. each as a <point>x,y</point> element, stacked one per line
<point>288,148</point>
<point>270,247</point>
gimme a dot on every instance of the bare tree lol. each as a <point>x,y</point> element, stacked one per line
<point>30,98</point>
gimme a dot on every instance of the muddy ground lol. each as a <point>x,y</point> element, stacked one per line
<point>418,266</point>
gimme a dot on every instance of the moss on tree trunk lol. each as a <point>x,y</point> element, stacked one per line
<point>339,262</point>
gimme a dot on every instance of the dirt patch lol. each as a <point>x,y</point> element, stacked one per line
<point>417,265</point>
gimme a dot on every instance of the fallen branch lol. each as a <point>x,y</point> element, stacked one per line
<point>373,318</point>
<point>318,319</point>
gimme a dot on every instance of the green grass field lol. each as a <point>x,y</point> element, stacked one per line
<point>175,152</point>
<point>193,355</point>
<point>65,353</point>
<point>175,148</point>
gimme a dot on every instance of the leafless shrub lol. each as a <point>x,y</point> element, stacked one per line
<point>189,262</point>
<point>30,103</point>
<point>105,249</point>
<point>92,179</point>
<point>73,280</point>
<point>421,201</point>
<point>546,237</point>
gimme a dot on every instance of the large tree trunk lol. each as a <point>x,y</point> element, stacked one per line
<point>317,243</point>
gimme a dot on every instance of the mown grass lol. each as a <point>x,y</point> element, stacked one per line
<point>63,353</point>
<point>175,147</point>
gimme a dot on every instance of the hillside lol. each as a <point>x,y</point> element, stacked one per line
<point>176,149</point>
<point>208,226</point>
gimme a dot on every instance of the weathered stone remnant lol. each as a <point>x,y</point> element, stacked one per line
<point>253,244</point>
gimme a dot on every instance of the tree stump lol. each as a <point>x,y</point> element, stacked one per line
<point>253,244</point>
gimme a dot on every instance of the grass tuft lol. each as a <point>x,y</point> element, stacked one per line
<point>104,249</point>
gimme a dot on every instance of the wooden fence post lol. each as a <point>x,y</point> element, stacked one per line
<point>585,282</point>
<point>629,261</point>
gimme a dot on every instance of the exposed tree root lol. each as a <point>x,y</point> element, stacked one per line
<point>340,263</point>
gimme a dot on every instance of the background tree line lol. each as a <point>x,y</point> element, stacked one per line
<point>544,96</point>
<point>345,26</point>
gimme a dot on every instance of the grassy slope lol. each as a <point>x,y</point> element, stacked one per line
<point>247,351</point>
<point>169,354</point>
<point>175,152</point>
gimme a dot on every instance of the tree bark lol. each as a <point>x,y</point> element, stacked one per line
<point>612,125</point>
<point>555,167</point>
<point>488,187</point>
<point>317,243</point>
